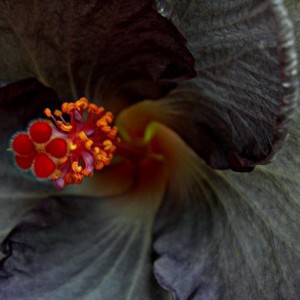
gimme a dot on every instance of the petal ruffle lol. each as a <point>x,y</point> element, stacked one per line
<point>245,92</point>
<point>86,248</point>
<point>20,102</point>
<point>227,235</point>
<point>121,50</point>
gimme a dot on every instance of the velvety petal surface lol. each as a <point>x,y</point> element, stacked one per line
<point>245,91</point>
<point>228,235</point>
<point>20,102</point>
<point>98,49</point>
<point>86,248</point>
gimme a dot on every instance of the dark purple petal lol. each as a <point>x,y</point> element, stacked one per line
<point>100,49</point>
<point>80,248</point>
<point>227,235</point>
<point>235,113</point>
<point>20,102</point>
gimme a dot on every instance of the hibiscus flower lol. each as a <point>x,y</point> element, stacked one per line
<point>203,94</point>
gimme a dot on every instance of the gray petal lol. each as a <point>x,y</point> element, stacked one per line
<point>233,236</point>
<point>80,248</point>
<point>235,113</point>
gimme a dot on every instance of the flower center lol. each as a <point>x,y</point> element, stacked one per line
<point>79,140</point>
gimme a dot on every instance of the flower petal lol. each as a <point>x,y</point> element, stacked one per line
<point>86,248</point>
<point>19,103</point>
<point>241,101</point>
<point>227,235</point>
<point>293,7</point>
<point>97,49</point>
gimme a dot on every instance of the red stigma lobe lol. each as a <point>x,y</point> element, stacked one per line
<point>23,145</point>
<point>40,132</point>
<point>57,148</point>
<point>43,165</point>
<point>24,162</point>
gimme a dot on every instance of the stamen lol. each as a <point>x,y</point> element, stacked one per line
<point>88,144</point>
<point>66,128</point>
<point>82,103</point>
<point>106,129</point>
<point>71,146</point>
<point>62,161</point>
<point>58,113</point>
<point>75,167</point>
<point>83,136</point>
<point>48,113</point>
<point>107,145</point>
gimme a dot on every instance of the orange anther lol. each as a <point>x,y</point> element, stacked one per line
<point>93,107</point>
<point>47,112</point>
<point>75,167</point>
<point>72,146</point>
<point>64,107</point>
<point>96,150</point>
<point>100,110</point>
<point>106,129</point>
<point>98,157</point>
<point>62,160</point>
<point>67,107</point>
<point>83,136</point>
<point>101,122</point>
<point>82,103</point>
<point>88,144</point>
<point>57,113</point>
<point>99,165</point>
<point>108,117</point>
<point>85,172</point>
<point>106,160</point>
<point>64,127</point>
<point>107,144</point>
<point>113,132</point>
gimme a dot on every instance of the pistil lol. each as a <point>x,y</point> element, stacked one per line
<point>79,140</point>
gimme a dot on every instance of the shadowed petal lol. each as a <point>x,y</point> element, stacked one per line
<point>20,102</point>
<point>86,248</point>
<point>245,92</point>
<point>226,235</point>
<point>121,50</point>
